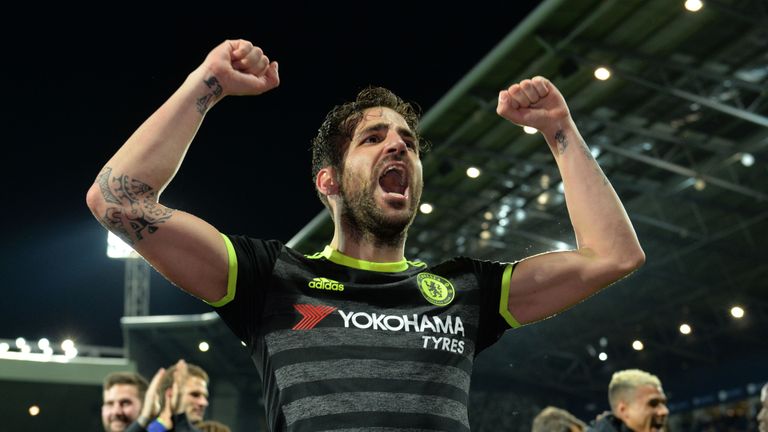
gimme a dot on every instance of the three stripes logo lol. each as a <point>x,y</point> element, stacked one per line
<point>311,315</point>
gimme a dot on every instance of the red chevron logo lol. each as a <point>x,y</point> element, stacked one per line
<point>311,315</point>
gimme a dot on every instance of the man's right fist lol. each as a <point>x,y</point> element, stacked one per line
<point>241,68</point>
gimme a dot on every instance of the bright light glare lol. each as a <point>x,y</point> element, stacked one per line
<point>694,5</point>
<point>737,312</point>
<point>685,329</point>
<point>747,159</point>
<point>529,130</point>
<point>34,410</point>
<point>543,198</point>
<point>203,346</point>
<point>43,343</point>
<point>638,345</point>
<point>20,342</point>
<point>67,345</point>
<point>602,73</point>
<point>602,356</point>
<point>520,215</point>
<point>473,172</point>
<point>70,353</point>
<point>117,248</point>
<point>485,234</point>
<point>4,347</point>
<point>426,208</point>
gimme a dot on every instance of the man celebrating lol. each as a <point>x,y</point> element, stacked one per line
<point>637,401</point>
<point>192,382</point>
<point>176,399</point>
<point>123,396</point>
<point>356,336</point>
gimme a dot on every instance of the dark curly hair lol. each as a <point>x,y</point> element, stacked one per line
<point>335,133</point>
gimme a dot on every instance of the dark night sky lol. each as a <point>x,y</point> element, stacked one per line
<point>75,88</point>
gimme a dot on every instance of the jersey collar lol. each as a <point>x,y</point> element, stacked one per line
<point>341,259</point>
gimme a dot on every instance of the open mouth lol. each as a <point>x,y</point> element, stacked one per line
<point>657,424</point>
<point>394,180</point>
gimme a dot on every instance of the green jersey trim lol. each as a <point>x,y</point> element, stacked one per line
<point>504,300</point>
<point>337,257</point>
<point>231,275</point>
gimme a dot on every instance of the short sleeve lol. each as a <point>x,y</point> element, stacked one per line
<point>495,318</point>
<point>250,266</point>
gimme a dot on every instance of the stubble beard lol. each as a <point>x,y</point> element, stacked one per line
<point>108,426</point>
<point>366,221</point>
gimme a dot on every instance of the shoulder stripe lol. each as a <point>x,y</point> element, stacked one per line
<point>316,255</point>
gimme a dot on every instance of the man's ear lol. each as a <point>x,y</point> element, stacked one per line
<point>326,181</point>
<point>621,409</point>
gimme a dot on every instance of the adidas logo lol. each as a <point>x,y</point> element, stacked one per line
<point>326,284</point>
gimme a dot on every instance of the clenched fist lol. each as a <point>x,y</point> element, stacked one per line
<point>241,68</point>
<point>534,102</point>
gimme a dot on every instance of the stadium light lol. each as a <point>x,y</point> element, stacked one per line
<point>137,276</point>
<point>117,248</point>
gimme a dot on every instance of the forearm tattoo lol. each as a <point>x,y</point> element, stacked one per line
<point>562,142</point>
<point>132,207</point>
<point>598,170</point>
<point>562,145</point>
<point>204,102</point>
<point>591,158</point>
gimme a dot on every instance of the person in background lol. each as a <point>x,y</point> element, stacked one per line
<point>638,404</point>
<point>552,419</point>
<point>123,399</point>
<point>175,397</point>
<point>193,382</point>
<point>213,426</point>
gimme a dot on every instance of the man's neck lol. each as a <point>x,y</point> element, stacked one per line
<point>367,249</point>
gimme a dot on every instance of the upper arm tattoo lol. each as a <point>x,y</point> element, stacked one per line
<point>204,101</point>
<point>132,207</point>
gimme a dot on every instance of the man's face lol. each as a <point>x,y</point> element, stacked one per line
<point>121,407</point>
<point>646,411</point>
<point>762,416</point>
<point>195,398</point>
<point>382,176</point>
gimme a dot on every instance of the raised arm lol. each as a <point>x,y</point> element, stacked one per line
<point>607,247</point>
<point>125,196</point>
